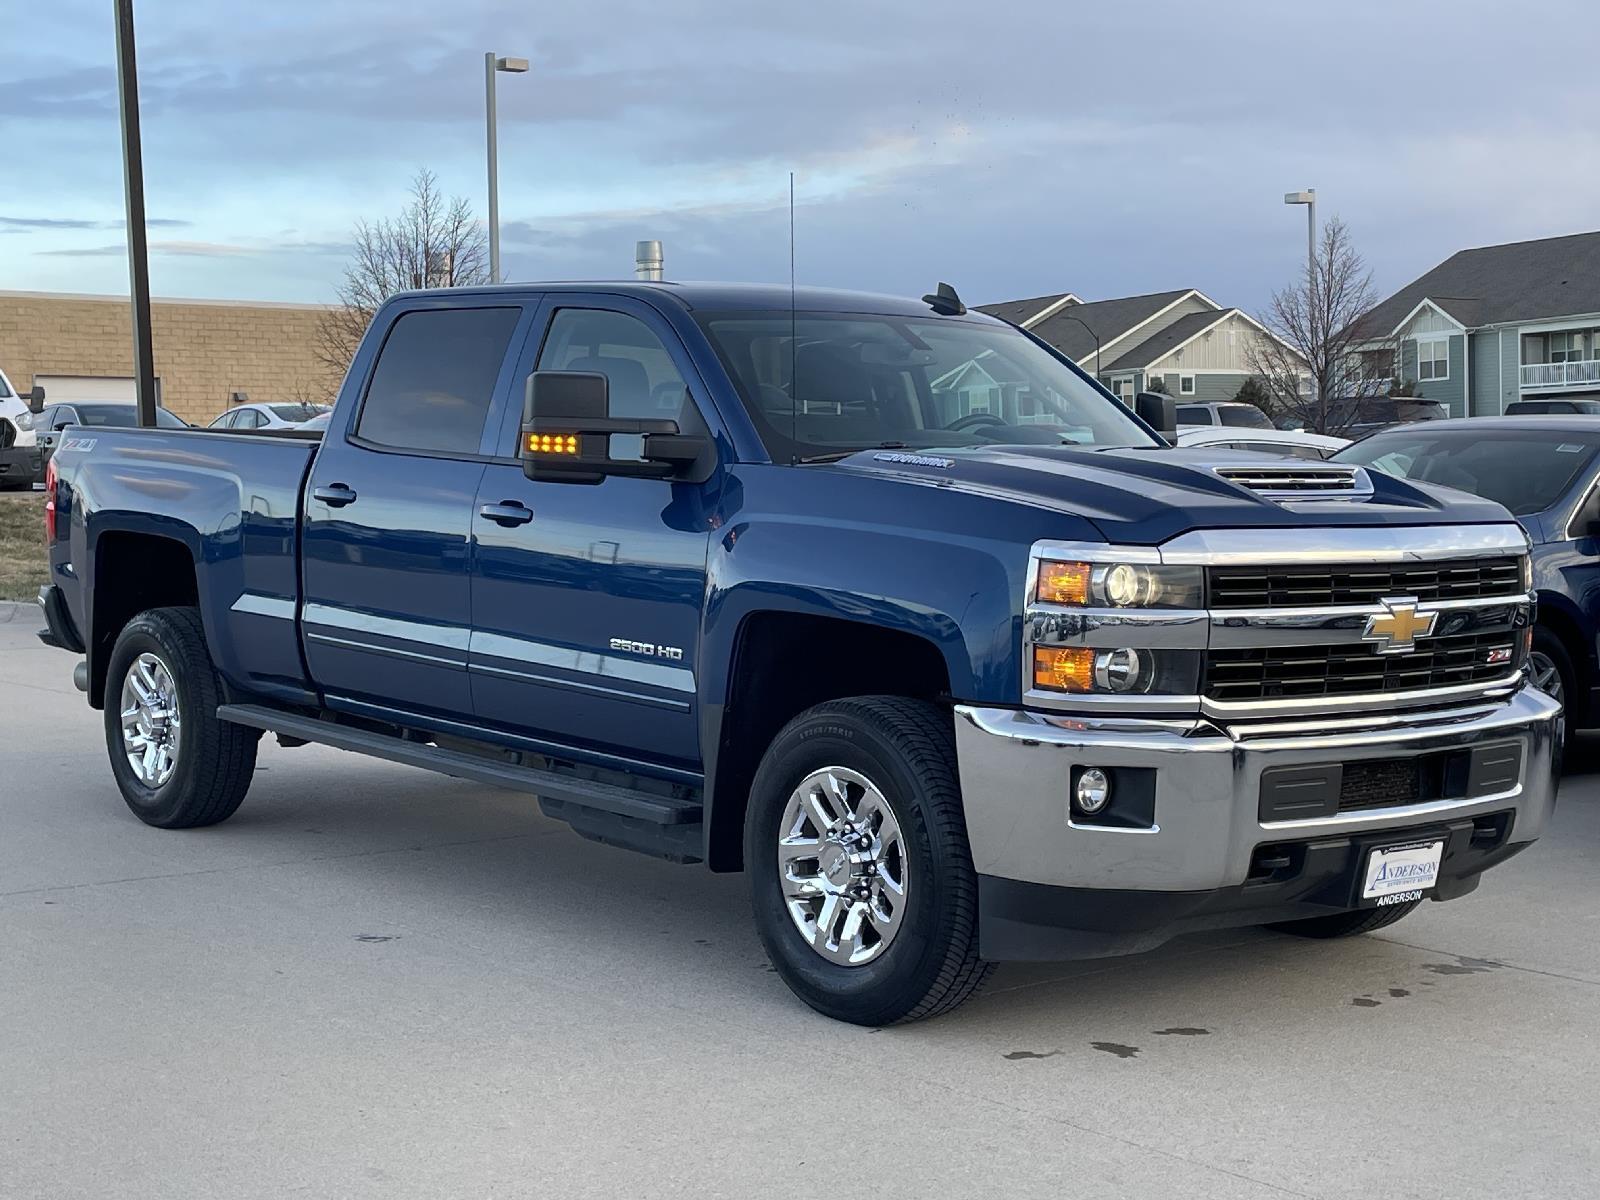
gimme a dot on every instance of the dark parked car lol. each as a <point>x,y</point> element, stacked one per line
<point>56,417</point>
<point>1530,408</point>
<point>1544,469</point>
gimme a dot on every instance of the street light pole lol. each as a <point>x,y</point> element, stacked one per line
<point>491,66</point>
<point>144,370</point>
<point>1309,199</point>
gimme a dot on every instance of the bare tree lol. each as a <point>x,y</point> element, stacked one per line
<point>435,242</point>
<point>1320,331</point>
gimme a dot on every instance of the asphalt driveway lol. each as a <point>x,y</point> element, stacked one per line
<point>378,982</point>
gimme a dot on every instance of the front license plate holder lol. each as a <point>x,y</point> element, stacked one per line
<point>1400,873</point>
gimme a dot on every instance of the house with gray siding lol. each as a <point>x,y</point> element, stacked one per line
<point>1497,324</point>
<point>1197,348</point>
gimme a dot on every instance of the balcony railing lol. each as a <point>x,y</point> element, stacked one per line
<point>1561,374</point>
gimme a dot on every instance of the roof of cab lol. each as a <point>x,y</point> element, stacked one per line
<point>722,297</point>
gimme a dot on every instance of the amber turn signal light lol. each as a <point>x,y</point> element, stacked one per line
<point>552,443</point>
<point>1064,583</point>
<point>1063,668</point>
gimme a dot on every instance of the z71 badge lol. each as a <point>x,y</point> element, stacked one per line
<point>648,649</point>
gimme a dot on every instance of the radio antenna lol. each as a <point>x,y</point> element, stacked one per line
<point>794,357</point>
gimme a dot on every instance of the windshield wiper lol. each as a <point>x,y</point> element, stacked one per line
<point>836,455</point>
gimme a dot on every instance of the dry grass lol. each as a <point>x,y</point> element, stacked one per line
<point>22,557</point>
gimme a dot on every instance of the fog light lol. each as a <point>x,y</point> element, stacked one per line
<point>1092,792</point>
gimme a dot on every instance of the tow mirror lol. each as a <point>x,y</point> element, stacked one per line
<point>1159,411</point>
<point>35,400</point>
<point>569,435</point>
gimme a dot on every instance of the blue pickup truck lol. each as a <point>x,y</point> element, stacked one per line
<point>881,601</point>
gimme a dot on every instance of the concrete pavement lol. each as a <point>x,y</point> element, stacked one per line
<point>378,982</point>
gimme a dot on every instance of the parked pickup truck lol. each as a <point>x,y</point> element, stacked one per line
<point>881,601</point>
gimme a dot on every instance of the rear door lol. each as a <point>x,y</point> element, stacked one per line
<point>586,599</point>
<point>388,514</point>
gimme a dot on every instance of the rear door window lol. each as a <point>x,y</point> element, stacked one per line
<point>435,379</point>
<point>1193,414</point>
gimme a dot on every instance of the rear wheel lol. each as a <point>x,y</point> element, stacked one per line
<point>860,872</point>
<point>1347,924</point>
<point>176,765</point>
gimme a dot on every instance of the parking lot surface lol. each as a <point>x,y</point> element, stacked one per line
<point>379,982</point>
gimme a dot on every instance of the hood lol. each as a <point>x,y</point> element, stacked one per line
<point>1146,496</point>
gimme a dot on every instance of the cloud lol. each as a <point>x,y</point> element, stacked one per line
<point>74,223</point>
<point>179,248</point>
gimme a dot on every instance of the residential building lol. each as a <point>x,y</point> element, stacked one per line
<point>80,347</point>
<point>1199,350</point>
<point>1497,324</point>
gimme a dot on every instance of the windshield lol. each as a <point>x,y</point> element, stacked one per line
<point>1525,470</point>
<point>298,412</point>
<point>1243,416</point>
<point>124,415</point>
<point>847,382</point>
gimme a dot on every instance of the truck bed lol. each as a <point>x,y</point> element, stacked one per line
<point>231,499</point>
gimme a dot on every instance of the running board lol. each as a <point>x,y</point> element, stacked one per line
<point>618,816</point>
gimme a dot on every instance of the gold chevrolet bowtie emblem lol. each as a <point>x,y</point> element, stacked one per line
<point>1398,627</point>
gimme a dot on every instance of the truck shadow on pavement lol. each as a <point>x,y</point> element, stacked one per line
<point>465,864</point>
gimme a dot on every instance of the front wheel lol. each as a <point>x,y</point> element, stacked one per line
<point>176,765</point>
<point>861,876</point>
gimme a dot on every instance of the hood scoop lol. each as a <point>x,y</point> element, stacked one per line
<point>1309,482</point>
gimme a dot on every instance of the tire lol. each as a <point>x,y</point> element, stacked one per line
<point>211,761</point>
<point>1347,924</point>
<point>1550,662</point>
<point>928,963</point>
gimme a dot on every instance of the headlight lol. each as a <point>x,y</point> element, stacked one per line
<point>23,421</point>
<point>1119,671</point>
<point>1118,585</point>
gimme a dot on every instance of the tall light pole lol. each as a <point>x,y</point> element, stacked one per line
<point>1309,199</point>
<point>492,65</point>
<point>144,371</point>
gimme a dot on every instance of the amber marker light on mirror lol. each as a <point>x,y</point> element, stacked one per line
<point>1063,582</point>
<point>552,443</point>
<point>1063,668</point>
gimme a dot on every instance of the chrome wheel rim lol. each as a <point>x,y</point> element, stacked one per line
<point>1546,677</point>
<point>843,865</point>
<point>152,727</point>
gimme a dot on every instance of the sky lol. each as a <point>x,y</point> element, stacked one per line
<point>1015,149</point>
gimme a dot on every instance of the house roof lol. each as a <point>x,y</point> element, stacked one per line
<point>1109,319</point>
<point>1519,281</point>
<point>1161,344</point>
<point>1018,311</point>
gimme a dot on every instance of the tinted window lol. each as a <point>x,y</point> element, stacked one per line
<point>435,377</point>
<point>1525,470</point>
<point>120,416</point>
<point>1193,414</point>
<point>639,373</point>
<point>298,412</point>
<point>1243,416</point>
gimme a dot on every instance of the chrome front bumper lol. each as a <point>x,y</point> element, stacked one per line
<point>1016,765</point>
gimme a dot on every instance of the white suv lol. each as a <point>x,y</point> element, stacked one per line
<point>21,465</point>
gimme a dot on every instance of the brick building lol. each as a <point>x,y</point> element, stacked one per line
<point>81,347</point>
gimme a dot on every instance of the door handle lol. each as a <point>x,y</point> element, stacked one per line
<point>335,495</point>
<point>507,513</point>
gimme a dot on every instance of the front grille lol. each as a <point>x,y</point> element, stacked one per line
<point>1353,668</point>
<point>8,434</point>
<point>1363,583</point>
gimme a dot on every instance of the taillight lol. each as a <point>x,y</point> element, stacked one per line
<point>50,503</point>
